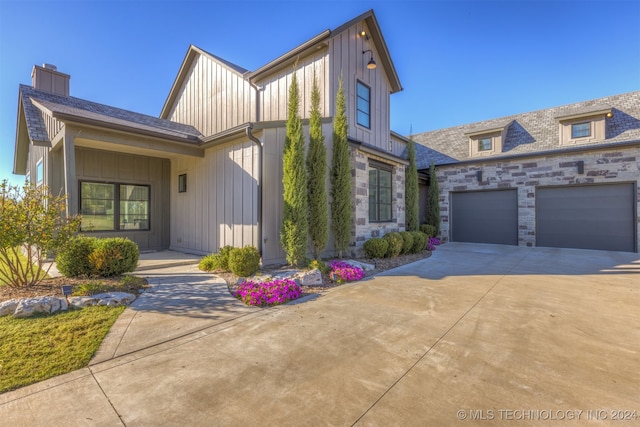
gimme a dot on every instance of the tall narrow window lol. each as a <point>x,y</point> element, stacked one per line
<point>39,172</point>
<point>363,105</point>
<point>580,130</point>
<point>114,207</point>
<point>182,183</point>
<point>379,192</point>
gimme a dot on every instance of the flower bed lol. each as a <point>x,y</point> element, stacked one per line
<point>268,293</point>
<point>342,272</point>
<point>432,243</point>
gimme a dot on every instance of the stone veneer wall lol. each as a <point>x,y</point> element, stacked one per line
<point>362,229</point>
<point>612,165</point>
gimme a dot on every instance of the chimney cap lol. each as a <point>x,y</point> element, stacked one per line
<point>50,67</point>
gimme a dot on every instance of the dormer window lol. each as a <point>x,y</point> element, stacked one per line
<point>581,130</point>
<point>487,141</point>
<point>583,126</point>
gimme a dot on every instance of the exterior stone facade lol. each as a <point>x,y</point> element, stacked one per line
<point>362,228</point>
<point>610,165</point>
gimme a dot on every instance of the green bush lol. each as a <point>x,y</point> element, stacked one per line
<point>429,230</point>
<point>318,264</point>
<point>407,242</point>
<point>217,261</point>
<point>395,244</point>
<point>114,256</point>
<point>73,258</point>
<point>419,241</point>
<point>244,262</point>
<point>90,256</point>
<point>376,247</point>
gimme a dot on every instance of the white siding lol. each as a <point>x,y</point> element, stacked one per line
<point>220,205</point>
<point>213,98</point>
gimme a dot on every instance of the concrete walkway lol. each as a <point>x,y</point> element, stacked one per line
<point>474,335</point>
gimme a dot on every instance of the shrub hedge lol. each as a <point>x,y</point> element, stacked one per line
<point>90,256</point>
<point>407,242</point>
<point>244,262</point>
<point>217,261</point>
<point>419,241</point>
<point>429,230</point>
<point>376,247</point>
<point>395,244</point>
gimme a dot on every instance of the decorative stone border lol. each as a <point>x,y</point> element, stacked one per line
<point>26,307</point>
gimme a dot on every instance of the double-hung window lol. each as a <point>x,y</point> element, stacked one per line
<point>580,130</point>
<point>363,105</point>
<point>379,192</point>
<point>114,207</point>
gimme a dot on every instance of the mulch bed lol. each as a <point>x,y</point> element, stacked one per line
<point>52,287</point>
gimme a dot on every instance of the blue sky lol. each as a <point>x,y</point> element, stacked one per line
<point>458,61</point>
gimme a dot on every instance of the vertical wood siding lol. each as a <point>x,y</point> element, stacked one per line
<point>345,50</point>
<point>109,166</point>
<point>220,206</point>
<point>274,94</point>
<point>214,98</point>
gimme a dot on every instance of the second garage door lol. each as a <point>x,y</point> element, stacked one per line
<point>586,217</point>
<point>485,217</point>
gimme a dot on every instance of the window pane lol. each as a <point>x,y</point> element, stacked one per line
<point>385,178</point>
<point>581,130</point>
<point>134,207</point>
<point>39,172</point>
<point>363,91</point>
<point>484,144</point>
<point>363,119</point>
<point>385,212</point>
<point>96,201</point>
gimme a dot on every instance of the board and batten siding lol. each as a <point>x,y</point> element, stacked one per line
<point>274,93</point>
<point>220,206</point>
<point>347,59</point>
<point>213,98</point>
<point>109,166</point>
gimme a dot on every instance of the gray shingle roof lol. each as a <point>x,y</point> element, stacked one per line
<point>35,102</point>
<point>532,132</point>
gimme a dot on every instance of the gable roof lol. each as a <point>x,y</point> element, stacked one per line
<point>369,17</point>
<point>192,54</point>
<point>533,132</point>
<point>35,105</point>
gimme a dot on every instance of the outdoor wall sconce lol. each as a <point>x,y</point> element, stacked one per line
<point>364,35</point>
<point>371,64</point>
<point>609,114</point>
<point>479,176</point>
<point>580,166</point>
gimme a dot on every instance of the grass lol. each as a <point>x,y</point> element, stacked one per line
<point>40,347</point>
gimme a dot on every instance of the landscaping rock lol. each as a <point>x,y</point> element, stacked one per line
<point>30,306</point>
<point>111,299</point>
<point>363,265</point>
<point>8,307</point>
<point>309,278</point>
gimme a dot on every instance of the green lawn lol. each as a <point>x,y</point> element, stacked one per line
<point>40,347</point>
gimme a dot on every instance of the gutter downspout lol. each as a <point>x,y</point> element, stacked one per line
<point>260,157</point>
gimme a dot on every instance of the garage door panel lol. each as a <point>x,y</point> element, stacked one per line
<point>586,217</point>
<point>485,217</point>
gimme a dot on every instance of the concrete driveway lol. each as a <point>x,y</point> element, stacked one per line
<point>474,335</point>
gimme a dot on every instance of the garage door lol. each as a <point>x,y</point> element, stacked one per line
<point>485,217</point>
<point>586,217</point>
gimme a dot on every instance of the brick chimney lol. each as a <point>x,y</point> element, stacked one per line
<point>49,79</point>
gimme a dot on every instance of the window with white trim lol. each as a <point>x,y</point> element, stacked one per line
<point>39,173</point>
<point>580,130</point>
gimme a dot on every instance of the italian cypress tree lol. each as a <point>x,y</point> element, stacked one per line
<point>316,175</point>
<point>340,177</point>
<point>293,235</point>
<point>433,213</point>
<point>412,211</point>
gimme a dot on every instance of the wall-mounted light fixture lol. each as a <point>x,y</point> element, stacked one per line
<point>364,35</point>
<point>479,176</point>
<point>371,64</point>
<point>610,114</point>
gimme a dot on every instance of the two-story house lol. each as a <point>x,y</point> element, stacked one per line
<point>208,172</point>
<point>566,176</point>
